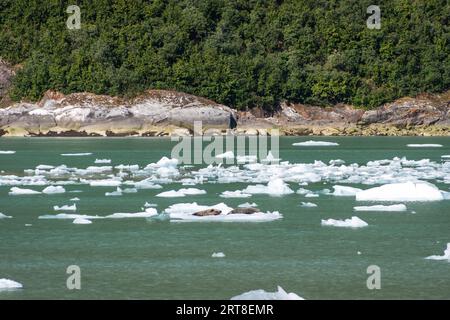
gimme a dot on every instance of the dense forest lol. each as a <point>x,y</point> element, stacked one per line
<point>242,53</point>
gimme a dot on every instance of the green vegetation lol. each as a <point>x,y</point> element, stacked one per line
<point>242,53</point>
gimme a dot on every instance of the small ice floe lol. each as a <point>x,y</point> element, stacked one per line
<point>311,143</point>
<point>81,221</point>
<point>28,225</point>
<point>218,212</point>
<point>76,154</point>
<point>7,152</point>
<point>102,161</point>
<point>69,216</point>
<point>226,155</point>
<point>246,159</point>
<point>66,208</point>
<point>181,193</point>
<point>337,162</point>
<point>275,187</point>
<point>406,191</point>
<point>446,255</point>
<point>311,195</point>
<point>247,205</point>
<point>264,295</point>
<point>308,205</point>
<point>147,184</point>
<point>270,158</point>
<point>424,145</point>
<point>54,190</point>
<point>75,199</point>
<point>150,205</point>
<point>394,207</point>
<point>150,212</point>
<point>7,284</point>
<point>116,193</point>
<point>354,222</point>
<point>3,216</point>
<point>19,191</point>
<point>235,194</point>
<point>344,191</point>
<point>446,156</point>
<point>105,183</point>
<point>45,167</point>
<point>218,255</point>
<point>358,253</point>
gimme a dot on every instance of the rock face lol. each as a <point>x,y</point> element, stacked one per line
<point>6,74</point>
<point>155,113</point>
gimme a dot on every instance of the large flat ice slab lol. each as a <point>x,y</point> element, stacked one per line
<point>407,191</point>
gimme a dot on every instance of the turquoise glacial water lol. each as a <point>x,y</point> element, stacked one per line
<point>157,259</point>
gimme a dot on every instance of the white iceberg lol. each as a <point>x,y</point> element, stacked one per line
<point>102,161</point>
<point>247,205</point>
<point>344,191</point>
<point>75,199</point>
<point>73,216</point>
<point>226,155</point>
<point>66,208</point>
<point>394,207</point>
<point>354,222</point>
<point>3,216</point>
<point>264,295</point>
<point>18,191</point>
<point>6,284</point>
<point>116,193</point>
<point>7,152</point>
<point>235,194</point>
<point>150,212</point>
<point>308,205</point>
<point>446,255</point>
<point>406,191</point>
<point>76,154</point>
<point>424,145</point>
<point>275,187</point>
<point>54,190</point>
<point>218,255</point>
<point>105,183</point>
<point>311,143</point>
<point>81,221</point>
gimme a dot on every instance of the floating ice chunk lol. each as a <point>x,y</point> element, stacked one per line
<point>76,154</point>
<point>446,255</point>
<point>147,184</point>
<point>311,195</point>
<point>102,161</point>
<point>336,162</point>
<point>303,191</point>
<point>394,207</point>
<point>308,205</point>
<point>54,190</point>
<point>171,194</point>
<point>127,167</point>
<point>235,194</point>
<point>75,199</point>
<point>6,284</point>
<point>446,156</point>
<point>64,216</point>
<point>226,155</point>
<point>218,255</point>
<point>2,216</point>
<point>66,208</point>
<point>344,191</point>
<point>150,212</point>
<point>354,222</point>
<point>44,167</point>
<point>81,221</point>
<point>7,152</point>
<point>18,191</point>
<point>311,143</point>
<point>424,145</point>
<point>116,193</point>
<point>274,187</point>
<point>270,158</point>
<point>247,205</point>
<point>130,190</point>
<point>149,205</point>
<point>192,191</point>
<point>246,159</point>
<point>264,295</point>
<point>407,191</point>
<point>105,183</point>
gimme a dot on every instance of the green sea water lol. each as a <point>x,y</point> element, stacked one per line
<point>159,259</point>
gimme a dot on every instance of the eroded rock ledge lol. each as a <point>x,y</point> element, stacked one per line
<point>166,113</point>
